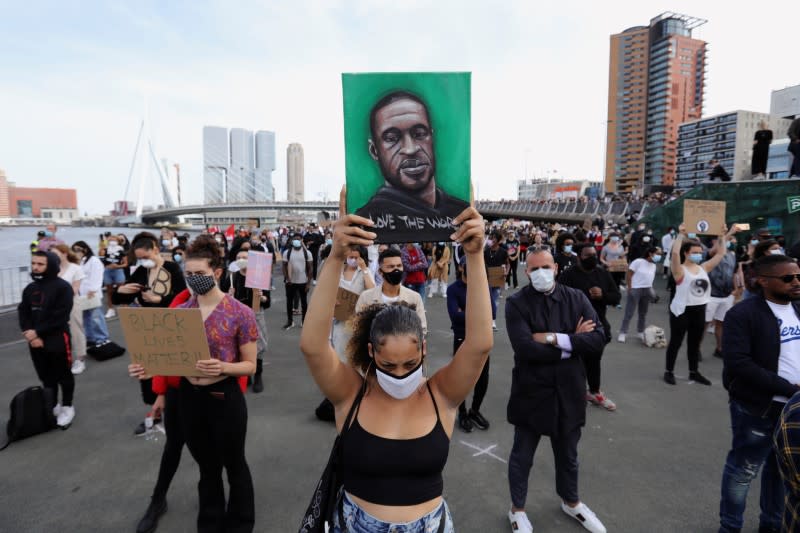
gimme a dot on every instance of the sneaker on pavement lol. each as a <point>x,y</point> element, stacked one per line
<point>494,325</point>
<point>585,516</point>
<point>640,336</point>
<point>78,366</point>
<point>519,522</point>
<point>111,313</point>
<point>57,410</point>
<point>669,378</point>
<point>600,400</point>
<point>697,377</point>
<point>149,521</point>
<point>465,423</point>
<point>478,419</point>
<point>288,325</point>
<point>621,337</point>
<point>64,418</point>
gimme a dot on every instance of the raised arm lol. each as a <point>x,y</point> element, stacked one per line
<point>675,260</point>
<point>458,377</point>
<point>337,381</point>
<point>720,249</point>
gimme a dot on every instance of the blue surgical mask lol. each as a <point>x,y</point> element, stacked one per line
<point>754,242</point>
<point>568,248</point>
<point>328,241</point>
<point>48,233</point>
<point>178,258</point>
<point>731,244</point>
<point>296,243</point>
<point>696,258</point>
<point>656,258</point>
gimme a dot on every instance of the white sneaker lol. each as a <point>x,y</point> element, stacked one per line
<point>585,516</point>
<point>57,410</point>
<point>64,418</point>
<point>621,337</point>
<point>519,522</point>
<point>111,313</point>
<point>78,366</point>
<point>494,325</point>
<point>640,336</point>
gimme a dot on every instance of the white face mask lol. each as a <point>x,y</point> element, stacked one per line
<point>543,279</point>
<point>351,262</point>
<point>402,387</point>
<point>147,263</point>
<point>241,263</point>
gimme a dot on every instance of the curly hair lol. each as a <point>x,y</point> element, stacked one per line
<point>375,322</point>
<point>205,247</point>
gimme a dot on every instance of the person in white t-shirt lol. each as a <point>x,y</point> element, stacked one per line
<point>297,270</point>
<point>72,273</point>
<point>639,280</point>
<point>761,354</point>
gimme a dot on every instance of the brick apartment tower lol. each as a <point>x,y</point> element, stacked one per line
<point>656,82</point>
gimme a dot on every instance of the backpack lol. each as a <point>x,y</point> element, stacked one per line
<point>654,337</point>
<point>31,414</point>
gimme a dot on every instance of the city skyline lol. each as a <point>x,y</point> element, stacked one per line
<point>78,83</point>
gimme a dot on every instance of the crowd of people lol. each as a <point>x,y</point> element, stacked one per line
<point>369,364</point>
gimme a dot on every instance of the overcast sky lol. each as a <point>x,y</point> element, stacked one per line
<point>76,78</point>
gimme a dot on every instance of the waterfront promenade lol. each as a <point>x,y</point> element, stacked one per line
<point>653,466</point>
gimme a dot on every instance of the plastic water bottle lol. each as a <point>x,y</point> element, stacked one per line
<point>148,427</point>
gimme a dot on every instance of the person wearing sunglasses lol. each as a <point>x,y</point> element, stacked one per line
<point>761,357</point>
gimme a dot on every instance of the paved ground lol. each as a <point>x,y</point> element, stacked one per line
<point>653,466</point>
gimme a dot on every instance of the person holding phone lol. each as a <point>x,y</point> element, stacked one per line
<point>153,283</point>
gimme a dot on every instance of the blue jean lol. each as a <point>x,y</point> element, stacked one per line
<point>494,292</point>
<point>94,324</point>
<point>359,521</point>
<point>751,448</point>
<point>418,287</point>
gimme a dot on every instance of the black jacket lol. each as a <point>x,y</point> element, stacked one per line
<point>750,349</point>
<point>577,278</point>
<point>240,291</point>
<point>548,394</point>
<point>46,305</point>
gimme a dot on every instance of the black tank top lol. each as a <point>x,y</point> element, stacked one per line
<point>394,471</point>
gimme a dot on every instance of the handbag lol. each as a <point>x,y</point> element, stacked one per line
<point>84,303</point>
<point>318,517</point>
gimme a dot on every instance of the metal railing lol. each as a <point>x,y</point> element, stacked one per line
<point>12,281</point>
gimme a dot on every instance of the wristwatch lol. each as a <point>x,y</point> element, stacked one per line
<point>550,338</point>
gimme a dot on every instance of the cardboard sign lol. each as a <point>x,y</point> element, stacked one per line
<point>166,342</point>
<point>407,152</point>
<point>587,223</point>
<point>345,305</point>
<point>618,265</point>
<point>704,217</point>
<point>497,277</point>
<point>259,271</point>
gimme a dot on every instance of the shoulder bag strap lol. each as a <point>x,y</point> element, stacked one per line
<point>339,466</point>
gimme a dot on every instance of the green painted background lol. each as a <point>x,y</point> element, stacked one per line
<point>447,95</point>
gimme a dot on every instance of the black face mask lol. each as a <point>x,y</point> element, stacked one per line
<point>589,263</point>
<point>393,278</point>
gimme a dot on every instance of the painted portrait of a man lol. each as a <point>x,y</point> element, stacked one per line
<point>408,201</point>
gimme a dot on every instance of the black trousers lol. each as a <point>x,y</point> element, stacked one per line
<point>512,273</point>
<point>565,453</point>
<point>171,456</point>
<point>214,422</point>
<point>54,369</point>
<point>148,396</point>
<point>481,386</point>
<point>295,290</point>
<point>592,367</point>
<point>690,324</point>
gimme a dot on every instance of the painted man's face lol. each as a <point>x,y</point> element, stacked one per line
<point>402,144</point>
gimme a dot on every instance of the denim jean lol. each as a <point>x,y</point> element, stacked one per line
<point>751,448</point>
<point>359,521</point>
<point>419,288</point>
<point>94,324</point>
<point>494,292</point>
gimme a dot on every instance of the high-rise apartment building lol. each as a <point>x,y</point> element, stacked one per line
<point>727,138</point>
<point>656,82</point>
<point>295,186</point>
<point>237,165</point>
<point>785,102</point>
